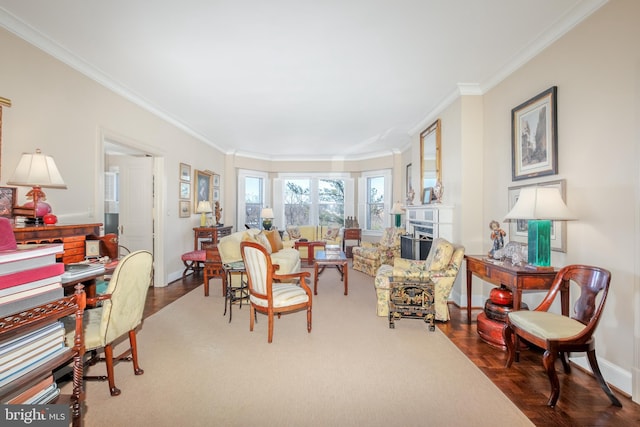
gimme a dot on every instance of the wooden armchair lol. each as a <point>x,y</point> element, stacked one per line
<point>271,293</point>
<point>559,334</point>
<point>120,313</point>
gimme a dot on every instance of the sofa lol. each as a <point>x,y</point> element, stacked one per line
<point>287,258</point>
<point>368,257</point>
<point>441,267</point>
<point>330,234</point>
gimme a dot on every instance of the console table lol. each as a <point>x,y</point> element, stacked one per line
<point>514,277</point>
<point>212,233</point>
<point>350,234</point>
<point>71,236</point>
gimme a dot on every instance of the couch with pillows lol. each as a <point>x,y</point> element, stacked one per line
<point>287,258</point>
<point>330,234</point>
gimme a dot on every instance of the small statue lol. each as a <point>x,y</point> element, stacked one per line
<point>497,236</point>
<point>410,195</point>
<point>218,212</point>
<point>438,191</point>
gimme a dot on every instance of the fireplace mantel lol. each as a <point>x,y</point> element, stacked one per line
<point>430,221</point>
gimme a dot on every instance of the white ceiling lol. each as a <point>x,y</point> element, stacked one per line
<point>295,79</point>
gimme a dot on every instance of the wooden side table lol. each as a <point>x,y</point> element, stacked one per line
<point>516,278</point>
<point>350,234</point>
<point>212,233</point>
<point>311,248</point>
<point>336,259</point>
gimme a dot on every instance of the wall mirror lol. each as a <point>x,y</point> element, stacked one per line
<point>430,164</point>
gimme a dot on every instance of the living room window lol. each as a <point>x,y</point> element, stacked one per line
<point>252,187</point>
<point>313,200</point>
<point>376,199</point>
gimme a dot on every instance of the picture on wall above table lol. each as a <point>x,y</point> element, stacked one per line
<point>518,229</point>
<point>204,188</point>
<point>185,172</point>
<point>7,200</point>
<point>185,190</point>
<point>534,136</point>
<point>185,208</point>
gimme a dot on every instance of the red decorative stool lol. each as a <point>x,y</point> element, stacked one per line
<point>193,260</point>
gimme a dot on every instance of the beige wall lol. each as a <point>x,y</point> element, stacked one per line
<point>65,114</point>
<point>596,68</point>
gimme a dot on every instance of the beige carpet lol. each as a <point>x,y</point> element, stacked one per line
<point>350,370</point>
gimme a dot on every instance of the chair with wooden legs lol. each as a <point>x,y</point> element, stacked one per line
<point>119,315</point>
<point>558,334</point>
<point>271,293</point>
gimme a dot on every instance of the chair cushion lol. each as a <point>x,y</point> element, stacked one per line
<point>91,325</point>
<point>546,325</point>
<point>331,233</point>
<point>199,255</point>
<point>284,294</point>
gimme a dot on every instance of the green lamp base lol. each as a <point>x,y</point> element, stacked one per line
<point>539,240</point>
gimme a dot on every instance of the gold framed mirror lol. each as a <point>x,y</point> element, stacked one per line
<point>430,162</point>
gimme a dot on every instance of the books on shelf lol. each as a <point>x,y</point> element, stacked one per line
<point>27,352</point>
<point>16,306</point>
<point>30,392</point>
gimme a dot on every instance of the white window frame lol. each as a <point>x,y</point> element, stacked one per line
<point>241,205</point>
<point>279,190</point>
<point>362,199</point>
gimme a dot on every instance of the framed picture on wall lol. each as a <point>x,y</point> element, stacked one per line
<point>185,190</point>
<point>427,195</point>
<point>185,172</point>
<point>518,229</point>
<point>216,194</point>
<point>7,200</point>
<point>216,180</point>
<point>534,136</point>
<point>184,208</point>
<point>204,188</point>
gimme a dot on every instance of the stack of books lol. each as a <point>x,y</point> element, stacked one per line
<point>29,277</point>
<point>27,352</point>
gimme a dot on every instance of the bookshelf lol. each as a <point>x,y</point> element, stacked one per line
<point>28,321</point>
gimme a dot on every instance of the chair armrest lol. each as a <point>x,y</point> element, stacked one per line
<point>301,275</point>
<point>95,300</point>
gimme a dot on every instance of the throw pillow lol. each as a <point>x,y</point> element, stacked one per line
<point>332,233</point>
<point>440,254</point>
<point>294,232</point>
<point>264,241</point>
<point>274,240</point>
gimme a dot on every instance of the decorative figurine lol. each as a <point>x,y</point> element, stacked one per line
<point>410,195</point>
<point>497,236</point>
<point>438,191</point>
<point>218,212</point>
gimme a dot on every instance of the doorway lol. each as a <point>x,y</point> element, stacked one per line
<point>129,199</point>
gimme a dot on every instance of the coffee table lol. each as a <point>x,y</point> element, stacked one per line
<point>336,259</point>
<point>311,248</point>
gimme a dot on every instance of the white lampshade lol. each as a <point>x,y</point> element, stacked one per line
<point>36,169</point>
<point>540,203</point>
<point>266,213</point>
<point>204,206</point>
<point>397,208</point>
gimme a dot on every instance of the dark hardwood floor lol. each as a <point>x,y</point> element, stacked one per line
<point>582,402</point>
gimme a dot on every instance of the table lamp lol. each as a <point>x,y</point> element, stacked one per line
<point>397,211</point>
<point>37,171</point>
<point>204,207</point>
<point>540,205</point>
<point>267,218</point>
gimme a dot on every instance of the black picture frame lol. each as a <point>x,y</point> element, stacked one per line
<point>534,136</point>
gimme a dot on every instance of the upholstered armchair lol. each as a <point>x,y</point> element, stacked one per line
<point>368,257</point>
<point>441,266</point>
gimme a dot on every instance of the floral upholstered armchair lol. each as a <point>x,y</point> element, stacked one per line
<point>370,256</point>
<point>441,266</point>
